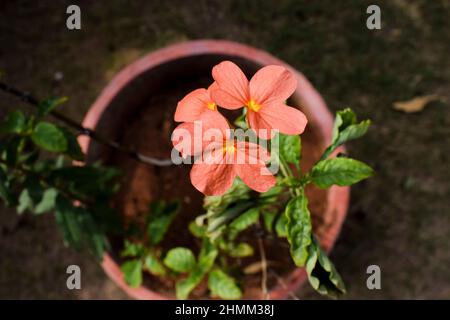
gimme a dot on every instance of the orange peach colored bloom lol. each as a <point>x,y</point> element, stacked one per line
<point>223,159</point>
<point>264,96</point>
<point>198,103</point>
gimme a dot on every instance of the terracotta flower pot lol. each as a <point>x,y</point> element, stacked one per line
<point>158,70</point>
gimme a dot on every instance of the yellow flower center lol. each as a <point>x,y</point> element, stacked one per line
<point>229,148</point>
<point>211,106</point>
<point>252,105</point>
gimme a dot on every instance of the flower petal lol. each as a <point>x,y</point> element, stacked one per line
<point>191,138</point>
<point>212,179</point>
<point>192,105</point>
<point>253,153</point>
<point>277,116</point>
<point>254,175</point>
<point>272,84</point>
<point>231,90</point>
<point>183,139</point>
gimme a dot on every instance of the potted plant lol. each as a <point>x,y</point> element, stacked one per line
<point>172,212</point>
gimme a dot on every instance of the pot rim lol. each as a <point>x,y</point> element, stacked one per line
<point>315,110</point>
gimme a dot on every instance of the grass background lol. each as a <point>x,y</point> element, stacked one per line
<point>399,219</point>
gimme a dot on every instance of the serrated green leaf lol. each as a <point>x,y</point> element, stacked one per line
<point>160,217</point>
<point>223,286</point>
<point>180,260</point>
<point>132,249</point>
<point>48,201</point>
<point>48,105</point>
<point>298,228</point>
<point>340,171</point>
<point>153,265</point>
<point>132,271</point>
<point>322,274</point>
<point>243,221</point>
<point>290,148</point>
<point>241,250</point>
<point>49,137</point>
<point>15,122</point>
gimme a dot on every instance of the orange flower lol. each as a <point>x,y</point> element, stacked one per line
<point>196,104</point>
<point>264,96</point>
<point>222,158</point>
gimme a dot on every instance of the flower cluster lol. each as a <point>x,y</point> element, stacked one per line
<point>219,157</point>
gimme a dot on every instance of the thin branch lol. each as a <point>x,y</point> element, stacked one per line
<point>68,194</point>
<point>283,284</point>
<point>28,98</point>
<point>264,269</point>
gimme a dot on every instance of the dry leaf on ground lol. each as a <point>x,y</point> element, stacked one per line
<point>416,104</point>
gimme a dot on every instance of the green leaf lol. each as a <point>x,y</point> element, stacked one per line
<point>79,228</point>
<point>281,226</point>
<point>180,260</point>
<point>268,218</point>
<point>160,217</point>
<point>290,148</point>
<point>73,147</point>
<point>48,105</point>
<point>184,287</point>
<point>132,271</point>
<point>206,259</point>
<point>132,249</point>
<point>25,202</point>
<point>345,129</point>
<point>298,228</point>
<point>240,121</point>
<point>244,221</point>
<point>339,171</point>
<point>217,204</point>
<point>48,201</point>
<point>13,150</point>
<point>66,216</point>
<point>93,238</point>
<point>322,274</point>
<point>5,192</point>
<point>196,230</point>
<point>49,137</point>
<point>153,265</point>
<point>271,196</point>
<point>15,122</point>
<point>89,180</point>
<point>223,286</point>
<point>241,250</point>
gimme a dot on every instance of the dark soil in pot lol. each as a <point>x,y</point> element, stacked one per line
<point>147,128</point>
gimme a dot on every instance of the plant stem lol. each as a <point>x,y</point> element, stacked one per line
<point>264,269</point>
<point>283,284</point>
<point>28,98</point>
